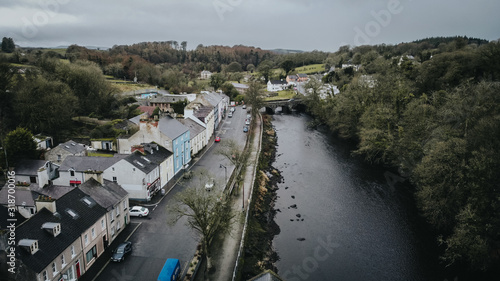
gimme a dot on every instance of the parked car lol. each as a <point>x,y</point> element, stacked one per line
<point>139,211</point>
<point>232,109</point>
<point>245,129</point>
<point>209,185</point>
<point>217,139</point>
<point>249,116</point>
<point>230,114</point>
<point>244,106</point>
<point>247,122</point>
<point>121,251</point>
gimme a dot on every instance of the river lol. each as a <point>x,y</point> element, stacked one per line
<point>340,218</point>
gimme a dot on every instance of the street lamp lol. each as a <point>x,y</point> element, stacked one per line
<point>225,174</point>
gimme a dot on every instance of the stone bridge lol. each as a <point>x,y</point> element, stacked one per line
<point>286,105</point>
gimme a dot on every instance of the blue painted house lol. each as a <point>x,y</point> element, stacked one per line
<point>181,145</point>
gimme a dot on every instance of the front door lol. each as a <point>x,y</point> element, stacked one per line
<point>78,273</point>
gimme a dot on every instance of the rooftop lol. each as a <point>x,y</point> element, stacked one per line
<point>75,217</point>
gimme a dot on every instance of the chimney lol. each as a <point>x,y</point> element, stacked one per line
<point>137,147</point>
<point>46,202</point>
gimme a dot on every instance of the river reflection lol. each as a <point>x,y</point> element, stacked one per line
<point>339,218</point>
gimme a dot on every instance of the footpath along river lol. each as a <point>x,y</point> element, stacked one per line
<point>340,218</point>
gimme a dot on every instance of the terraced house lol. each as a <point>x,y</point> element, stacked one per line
<point>66,236</point>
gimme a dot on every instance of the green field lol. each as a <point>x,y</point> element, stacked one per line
<point>309,69</point>
<point>282,95</point>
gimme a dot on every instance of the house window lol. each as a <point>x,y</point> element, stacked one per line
<point>112,215</point>
<point>63,261</point>
<point>32,179</point>
<point>113,168</point>
<point>72,173</point>
<point>86,239</point>
<point>93,233</point>
<point>114,179</point>
<point>124,205</point>
<point>59,157</point>
<point>91,254</point>
<point>72,251</point>
<point>118,225</point>
<point>102,224</point>
<point>133,169</point>
<point>54,269</point>
<point>117,211</point>
<point>45,277</point>
<point>112,231</point>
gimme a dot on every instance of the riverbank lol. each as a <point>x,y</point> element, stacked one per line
<point>259,254</point>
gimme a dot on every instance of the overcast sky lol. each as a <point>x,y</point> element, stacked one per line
<point>289,24</point>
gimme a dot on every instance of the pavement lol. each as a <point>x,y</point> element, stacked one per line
<point>225,257</point>
<point>105,257</point>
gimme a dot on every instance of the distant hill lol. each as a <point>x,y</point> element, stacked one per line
<point>286,51</point>
<point>435,41</point>
<point>88,47</point>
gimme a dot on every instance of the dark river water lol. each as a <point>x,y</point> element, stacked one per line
<point>341,219</point>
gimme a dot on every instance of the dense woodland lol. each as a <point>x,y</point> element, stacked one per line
<point>430,108</point>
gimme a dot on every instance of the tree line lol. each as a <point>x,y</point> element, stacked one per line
<point>436,118</point>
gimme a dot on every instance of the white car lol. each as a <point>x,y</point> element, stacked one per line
<point>209,185</point>
<point>139,211</point>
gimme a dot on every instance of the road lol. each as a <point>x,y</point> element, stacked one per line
<point>156,240</point>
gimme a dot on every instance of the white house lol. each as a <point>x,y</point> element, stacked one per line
<point>144,172</point>
<point>203,113</point>
<point>197,134</point>
<point>205,74</point>
<point>76,170</point>
<point>276,85</point>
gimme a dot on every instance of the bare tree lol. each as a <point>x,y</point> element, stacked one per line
<point>208,212</point>
<point>231,151</point>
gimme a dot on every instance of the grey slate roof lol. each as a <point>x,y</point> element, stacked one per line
<point>278,82</point>
<point>213,98</point>
<point>27,167</point>
<point>85,163</point>
<point>241,86</point>
<point>171,127</point>
<point>54,191</point>
<point>107,194</point>
<point>72,147</point>
<point>202,113</point>
<point>156,153</point>
<point>168,98</point>
<point>194,128</point>
<point>23,197</point>
<point>140,163</point>
<point>51,247</point>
